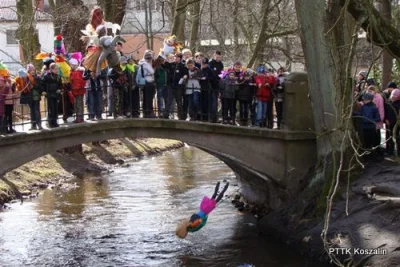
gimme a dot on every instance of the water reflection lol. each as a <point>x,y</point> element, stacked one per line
<point>129,219</point>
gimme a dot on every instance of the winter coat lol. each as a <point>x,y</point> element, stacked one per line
<point>380,104</point>
<point>11,97</point>
<point>264,92</point>
<point>278,89</point>
<point>148,71</point>
<point>228,88</point>
<point>3,95</point>
<point>77,81</point>
<point>216,66</point>
<point>161,76</point>
<point>209,79</point>
<point>370,114</point>
<point>51,83</point>
<point>193,81</point>
<point>246,90</point>
<point>93,84</point>
<point>175,72</point>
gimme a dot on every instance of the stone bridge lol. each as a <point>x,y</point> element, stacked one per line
<point>271,165</point>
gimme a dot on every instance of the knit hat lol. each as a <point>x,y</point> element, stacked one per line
<point>22,73</point>
<point>395,94</point>
<point>363,73</point>
<point>368,96</point>
<point>392,85</point>
<point>123,60</point>
<point>260,69</point>
<point>48,61</point>
<point>73,61</point>
<point>370,82</point>
<point>148,55</point>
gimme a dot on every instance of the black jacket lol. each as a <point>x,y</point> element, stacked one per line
<point>51,83</point>
<point>217,67</point>
<point>175,71</point>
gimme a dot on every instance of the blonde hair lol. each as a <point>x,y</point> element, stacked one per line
<point>186,50</point>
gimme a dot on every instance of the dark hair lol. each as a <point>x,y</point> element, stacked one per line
<point>218,53</point>
<point>189,61</point>
<point>179,55</point>
<point>119,43</point>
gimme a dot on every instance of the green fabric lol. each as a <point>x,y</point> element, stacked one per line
<point>201,225</point>
<point>131,67</point>
<point>161,77</point>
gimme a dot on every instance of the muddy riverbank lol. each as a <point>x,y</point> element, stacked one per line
<point>58,168</point>
<point>372,222</point>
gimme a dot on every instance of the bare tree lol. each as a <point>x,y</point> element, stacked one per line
<point>26,33</point>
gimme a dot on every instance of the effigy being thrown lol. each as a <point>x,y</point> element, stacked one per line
<point>199,219</point>
<point>101,51</point>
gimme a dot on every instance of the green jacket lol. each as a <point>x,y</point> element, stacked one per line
<point>161,77</point>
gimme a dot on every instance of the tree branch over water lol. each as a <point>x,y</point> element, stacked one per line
<point>380,31</point>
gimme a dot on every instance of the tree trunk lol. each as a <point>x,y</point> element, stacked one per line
<point>70,16</point>
<point>385,8</point>
<point>327,57</point>
<point>150,22</point>
<point>26,32</point>
<point>261,35</point>
<point>178,24</point>
<point>194,30</point>
<point>236,22</point>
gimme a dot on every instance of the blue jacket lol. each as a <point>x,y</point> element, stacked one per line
<point>370,115</point>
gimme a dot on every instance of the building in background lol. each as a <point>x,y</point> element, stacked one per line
<point>9,46</point>
<point>145,26</point>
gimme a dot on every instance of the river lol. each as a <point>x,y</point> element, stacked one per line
<point>128,218</point>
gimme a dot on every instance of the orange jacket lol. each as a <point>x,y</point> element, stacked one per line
<point>24,85</point>
<point>77,81</point>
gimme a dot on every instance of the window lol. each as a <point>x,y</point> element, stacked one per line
<point>11,40</point>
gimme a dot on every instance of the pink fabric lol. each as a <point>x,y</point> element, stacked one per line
<point>10,98</point>
<point>207,205</point>
<point>379,102</point>
<point>2,100</point>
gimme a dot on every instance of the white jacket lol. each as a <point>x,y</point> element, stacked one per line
<point>147,70</point>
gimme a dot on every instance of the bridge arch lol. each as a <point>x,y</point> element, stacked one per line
<point>269,163</point>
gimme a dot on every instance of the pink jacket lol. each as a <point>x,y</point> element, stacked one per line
<point>380,104</point>
<point>2,100</point>
<point>10,98</point>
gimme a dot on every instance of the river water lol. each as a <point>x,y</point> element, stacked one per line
<point>128,218</point>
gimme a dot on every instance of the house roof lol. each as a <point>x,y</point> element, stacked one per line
<point>8,12</point>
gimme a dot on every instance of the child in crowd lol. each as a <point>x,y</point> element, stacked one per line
<point>264,84</point>
<point>3,93</point>
<point>370,117</point>
<point>77,87</point>
<point>192,92</point>
<point>52,85</point>
<point>229,86</point>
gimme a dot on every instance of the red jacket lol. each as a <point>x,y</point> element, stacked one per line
<point>264,92</point>
<point>77,82</point>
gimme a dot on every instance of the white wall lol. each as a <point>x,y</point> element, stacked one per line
<point>9,53</point>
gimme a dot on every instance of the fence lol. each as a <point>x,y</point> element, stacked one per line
<point>199,109</point>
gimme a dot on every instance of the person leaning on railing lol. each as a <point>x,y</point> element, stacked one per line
<point>3,93</point>
<point>52,84</point>
<point>36,91</point>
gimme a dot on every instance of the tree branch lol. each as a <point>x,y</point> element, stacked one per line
<point>380,31</point>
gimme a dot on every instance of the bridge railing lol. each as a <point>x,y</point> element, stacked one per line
<point>202,112</point>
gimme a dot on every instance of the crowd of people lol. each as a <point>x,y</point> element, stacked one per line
<point>374,111</point>
<point>192,87</point>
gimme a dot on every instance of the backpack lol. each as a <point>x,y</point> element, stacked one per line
<point>140,80</point>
